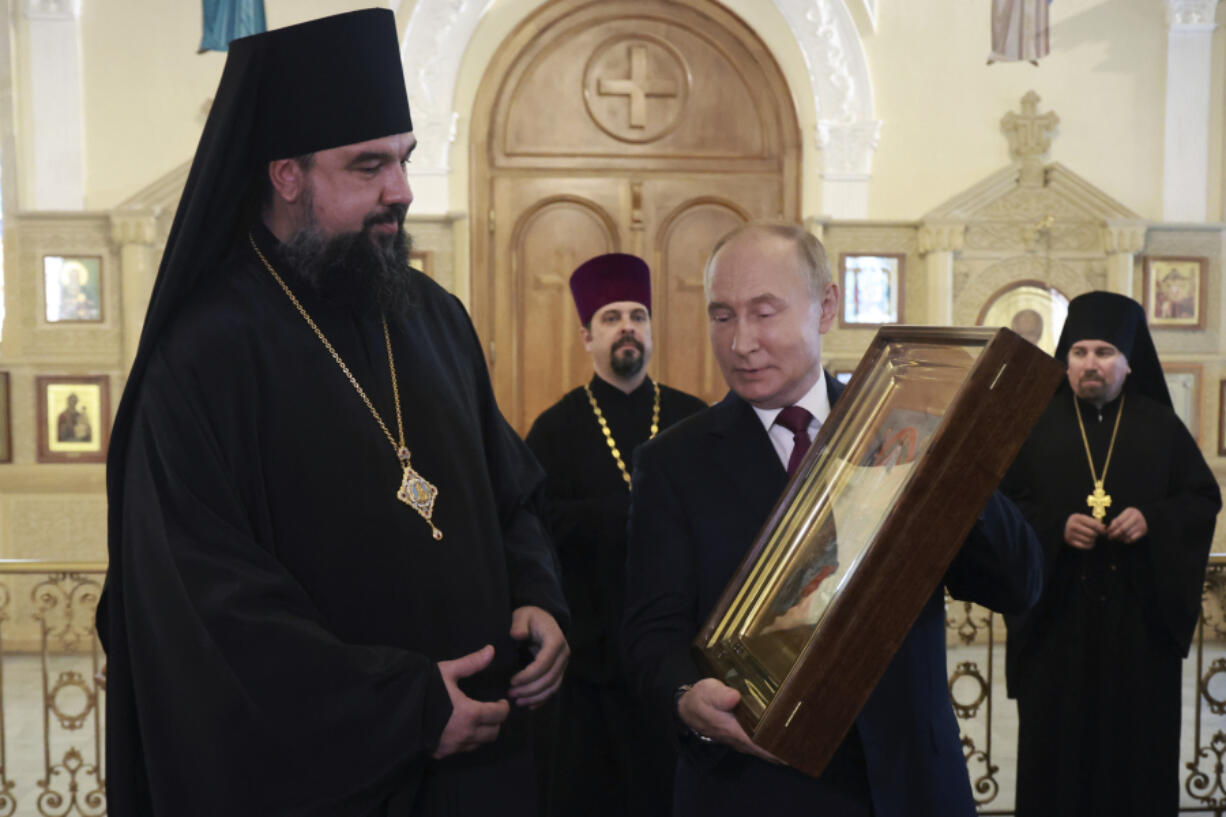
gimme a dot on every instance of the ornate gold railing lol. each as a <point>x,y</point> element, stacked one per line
<point>52,709</point>
<point>51,705</point>
<point>988,719</point>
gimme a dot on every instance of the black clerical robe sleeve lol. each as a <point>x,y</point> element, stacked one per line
<point>1000,565</point>
<point>1173,555</point>
<point>249,704</point>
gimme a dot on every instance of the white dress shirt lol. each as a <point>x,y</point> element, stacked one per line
<point>816,401</point>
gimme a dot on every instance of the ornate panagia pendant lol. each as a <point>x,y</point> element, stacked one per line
<point>418,493</point>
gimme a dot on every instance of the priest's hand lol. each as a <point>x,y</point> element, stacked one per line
<point>472,723</point>
<point>1081,530</point>
<point>533,684</point>
<point>707,708</point>
<point>1128,527</point>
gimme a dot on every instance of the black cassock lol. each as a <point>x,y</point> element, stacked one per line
<point>602,757</point>
<point>1096,664</point>
<point>274,612</point>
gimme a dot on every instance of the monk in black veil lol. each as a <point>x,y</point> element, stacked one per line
<point>327,591</point>
<point>1125,507</point>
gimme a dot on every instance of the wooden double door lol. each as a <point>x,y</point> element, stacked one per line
<point>645,126</point>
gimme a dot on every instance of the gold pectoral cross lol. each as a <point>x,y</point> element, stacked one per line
<point>418,493</point>
<point>1100,501</point>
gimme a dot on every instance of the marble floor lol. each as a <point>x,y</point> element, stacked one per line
<point>71,751</point>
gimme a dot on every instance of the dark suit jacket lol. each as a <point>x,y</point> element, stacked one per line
<point>702,490</point>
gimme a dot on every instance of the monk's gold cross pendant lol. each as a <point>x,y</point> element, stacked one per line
<point>1099,501</point>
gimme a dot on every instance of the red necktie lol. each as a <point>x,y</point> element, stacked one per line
<point>796,420</point>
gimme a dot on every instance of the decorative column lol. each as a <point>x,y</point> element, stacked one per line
<point>1122,240</point>
<point>1189,65</point>
<point>938,241</point>
<point>55,132</point>
<point>847,164</point>
<point>135,234</point>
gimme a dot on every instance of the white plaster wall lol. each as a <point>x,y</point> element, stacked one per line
<point>941,104</point>
<point>145,90</point>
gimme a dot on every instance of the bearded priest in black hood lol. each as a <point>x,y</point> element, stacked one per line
<point>1125,507</point>
<point>328,593</point>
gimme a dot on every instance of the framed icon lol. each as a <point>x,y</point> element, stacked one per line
<point>871,288</point>
<point>72,288</point>
<point>74,417</point>
<point>1183,382</point>
<point>1175,292</point>
<point>854,549</point>
<point>1033,309</point>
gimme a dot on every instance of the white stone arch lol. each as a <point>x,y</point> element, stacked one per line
<point>837,84</point>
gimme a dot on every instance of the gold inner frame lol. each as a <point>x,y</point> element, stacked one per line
<point>916,380</point>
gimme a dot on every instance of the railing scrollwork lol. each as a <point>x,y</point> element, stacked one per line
<point>47,641</point>
<point>47,638</point>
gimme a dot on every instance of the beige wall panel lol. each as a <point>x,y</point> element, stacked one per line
<point>844,345</point>
<point>65,527</point>
<point>146,90</point>
<point>28,335</point>
<point>941,104</point>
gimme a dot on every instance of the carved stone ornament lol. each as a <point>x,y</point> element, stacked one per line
<point>974,287</point>
<point>1125,238</point>
<point>133,228</point>
<point>935,237</point>
<point>838,69</point>
<point>1191,13</point>
<point>1030,205</point>
<point>847,150</point>
<point>1028,136</point>
<point>52,9</point>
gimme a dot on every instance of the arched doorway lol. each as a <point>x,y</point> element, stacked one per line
<point>643,126</point>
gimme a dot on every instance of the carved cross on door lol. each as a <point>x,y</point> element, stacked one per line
<point>638,87</point>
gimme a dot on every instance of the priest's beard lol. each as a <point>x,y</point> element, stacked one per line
<point>362,271</point>
<point>627,365</point>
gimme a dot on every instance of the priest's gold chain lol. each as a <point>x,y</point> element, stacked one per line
<point>402,452</point>
<point>608,435</point>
